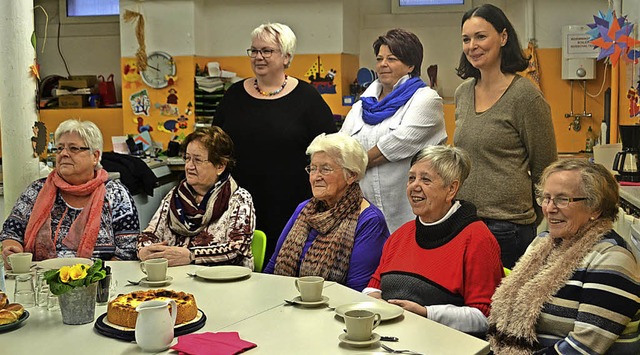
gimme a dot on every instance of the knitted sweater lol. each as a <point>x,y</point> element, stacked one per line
<point>597,311</point>
<point>119,223</point>
<point>456,262</point>
<point>509,144</point>
<point>226,240</point>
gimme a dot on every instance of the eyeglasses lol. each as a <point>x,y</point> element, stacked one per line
<point>324,170</point>
<point>266,53</point>
<point>195,160</point>
<point>71,149</point>
<point>560,202</point>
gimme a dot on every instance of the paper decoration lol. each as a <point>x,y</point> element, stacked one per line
<point>613,36</point>
<point>145,139</point>
<point>324,84</point>
<point>140,103</point>
<point>120,144</point>
<point>141,126</point>
<point>131,75</point>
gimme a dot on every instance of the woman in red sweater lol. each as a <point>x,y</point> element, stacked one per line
<point>444,265</point>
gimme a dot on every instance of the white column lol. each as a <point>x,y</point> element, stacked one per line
<point>17,99</point>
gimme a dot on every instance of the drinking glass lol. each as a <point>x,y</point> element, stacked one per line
<point>24,291</point>
<point>42,289</point>
<point>52,302</point>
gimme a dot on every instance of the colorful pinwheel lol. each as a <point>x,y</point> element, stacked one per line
<point>612,35</point>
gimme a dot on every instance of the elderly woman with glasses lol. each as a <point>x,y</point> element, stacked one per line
<point>76,210</point>
<point>207,219</point>
<point>445,264</point>
<point>337,234</point>
<point>272,118</point>
<point>575,290</point>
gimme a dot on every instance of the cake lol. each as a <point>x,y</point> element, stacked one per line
<point>122,309</point>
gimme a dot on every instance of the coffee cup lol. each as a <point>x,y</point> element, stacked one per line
<point>156,269</point>
<point>20,262</point>
<point>310,288</point>
<point>360,324</point>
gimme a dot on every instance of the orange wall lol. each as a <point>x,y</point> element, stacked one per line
<point>185,72</point>
<point>109,120</point>
<point>345,65</point>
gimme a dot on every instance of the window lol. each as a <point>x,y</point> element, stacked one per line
<point>426,6</point>
<point>87,11</point>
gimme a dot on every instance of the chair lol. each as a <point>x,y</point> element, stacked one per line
<point>258,248</point>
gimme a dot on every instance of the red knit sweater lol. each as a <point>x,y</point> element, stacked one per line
<point>468,265</point>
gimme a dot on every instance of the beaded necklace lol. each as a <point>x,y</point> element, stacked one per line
<point>264,93</point>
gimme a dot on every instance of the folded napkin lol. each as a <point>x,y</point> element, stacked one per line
<point>221,343</point>
<point>629,183</point>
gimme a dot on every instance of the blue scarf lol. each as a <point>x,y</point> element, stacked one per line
<point>374,112</point>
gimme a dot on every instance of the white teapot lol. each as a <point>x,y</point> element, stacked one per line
<point>154,325</point>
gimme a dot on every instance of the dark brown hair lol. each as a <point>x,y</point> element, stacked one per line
<point>218,144</point>
<point>404,45</point>
<point>512,59</point>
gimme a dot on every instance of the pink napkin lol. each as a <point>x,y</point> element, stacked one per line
<point>629,183</point>
<point>221,343</point>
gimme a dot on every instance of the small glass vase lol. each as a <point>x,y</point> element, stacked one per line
<point>78,306</point>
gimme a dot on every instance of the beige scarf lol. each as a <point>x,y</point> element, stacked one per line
<point>536,278</point>
<point>330,253</point>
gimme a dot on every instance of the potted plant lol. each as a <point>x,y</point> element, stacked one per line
<point>76,287</point>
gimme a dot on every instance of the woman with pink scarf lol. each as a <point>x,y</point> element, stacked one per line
<point>76,210</point>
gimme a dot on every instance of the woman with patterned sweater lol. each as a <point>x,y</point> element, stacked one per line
<point>444,265</point>
<point>576,290</point>
<point>207,219</point>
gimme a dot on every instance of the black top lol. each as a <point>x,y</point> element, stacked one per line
<point>270,138</point>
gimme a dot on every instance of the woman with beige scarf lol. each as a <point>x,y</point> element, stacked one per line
<point>337,234</point>
<point>207,219</point>
<point>575,291</point>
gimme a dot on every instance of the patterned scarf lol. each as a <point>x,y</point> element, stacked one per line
<point>83,232</point>
<point>374,112</point>
<point>330,253</point>
<point>536,278</point>
<point>188,217</point>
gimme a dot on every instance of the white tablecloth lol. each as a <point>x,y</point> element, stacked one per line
<point>254,307</point>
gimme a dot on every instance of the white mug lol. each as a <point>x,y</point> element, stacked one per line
<point>360,324</point>
<point>156,269</point>
<point>310,288</point>
<point>20,262</point>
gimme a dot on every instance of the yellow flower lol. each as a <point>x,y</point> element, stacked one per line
<point>64,274</point>
<point>78,271</point>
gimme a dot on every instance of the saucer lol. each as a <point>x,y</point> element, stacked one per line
<point>359,343</point>
<point>146,282</point>
<point>298,300</point>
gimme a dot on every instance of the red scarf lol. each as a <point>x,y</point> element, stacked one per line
<point>83,232</point>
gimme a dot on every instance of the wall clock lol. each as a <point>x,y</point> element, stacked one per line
<point>160,65</point>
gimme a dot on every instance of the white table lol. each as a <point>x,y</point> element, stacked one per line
<point>253,307</point>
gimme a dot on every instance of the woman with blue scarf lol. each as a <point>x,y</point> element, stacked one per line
<point>396,117</point>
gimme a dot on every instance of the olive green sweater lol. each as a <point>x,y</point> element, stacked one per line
<point>510,144</point>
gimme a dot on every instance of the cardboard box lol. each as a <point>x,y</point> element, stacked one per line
<point>78,82</point>
<point>73,101</point>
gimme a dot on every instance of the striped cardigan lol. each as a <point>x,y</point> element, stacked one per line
<point>596,312</point>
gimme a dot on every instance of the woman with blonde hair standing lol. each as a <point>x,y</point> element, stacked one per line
<point>271,119</point>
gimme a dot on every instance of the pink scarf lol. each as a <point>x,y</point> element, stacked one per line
<point>83,232</point>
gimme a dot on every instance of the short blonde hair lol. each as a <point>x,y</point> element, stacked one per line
<point>344,149</point>
<point>451,163</point>
<point>277,33</point>
<point>87,130</point>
